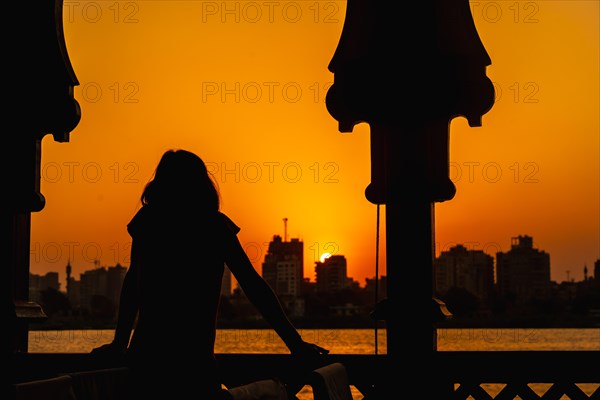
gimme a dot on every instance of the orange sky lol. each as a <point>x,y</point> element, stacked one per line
<point>243,85</point>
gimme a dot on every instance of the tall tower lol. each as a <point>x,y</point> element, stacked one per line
<point>283,269</point>
<point>283,266</point>
<point>68,277</point>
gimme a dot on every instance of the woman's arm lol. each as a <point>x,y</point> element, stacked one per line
<point>265,300</point>
<point>128,307</point>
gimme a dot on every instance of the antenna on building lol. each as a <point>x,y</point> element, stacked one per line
<point>285,229</point>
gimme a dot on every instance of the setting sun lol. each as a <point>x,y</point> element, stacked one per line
<point>324,257</point>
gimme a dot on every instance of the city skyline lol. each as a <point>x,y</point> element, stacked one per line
<point>247,95</point>
<point>590,269</point>
<point>472,284</point>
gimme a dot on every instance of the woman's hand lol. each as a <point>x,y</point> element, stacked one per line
<point>111,349</point>
<point>309,354</point>
<point>309,349</point>
<point>307,357</point>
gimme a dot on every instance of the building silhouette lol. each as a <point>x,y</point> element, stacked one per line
<point>459,267</point>
<point>226,284</point>
<point>376,288</point>
<point>331,275</point>
<point>283,266</point>
<point>39,283</point>
<point>100,281</point>
<point>283,269</point>
<point>523,272</point>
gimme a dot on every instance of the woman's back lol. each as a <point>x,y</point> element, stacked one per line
<point>181,258</point>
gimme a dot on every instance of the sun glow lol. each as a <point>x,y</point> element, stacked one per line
<point>324,257</point>
<point>168,80</point>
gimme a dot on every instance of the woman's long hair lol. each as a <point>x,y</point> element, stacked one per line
<point>181,179</point>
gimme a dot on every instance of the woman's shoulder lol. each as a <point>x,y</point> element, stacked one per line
<point>228,222</point>
<point>147,216</point>
<point>138,220</point>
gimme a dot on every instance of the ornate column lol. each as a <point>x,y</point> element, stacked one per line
<point>407,70</point>
<point>39,102</point>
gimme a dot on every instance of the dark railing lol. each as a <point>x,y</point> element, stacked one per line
<point>455,374</point>
<point>460,374</point>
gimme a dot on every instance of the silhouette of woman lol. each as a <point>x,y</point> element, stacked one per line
<point>170,295</point>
